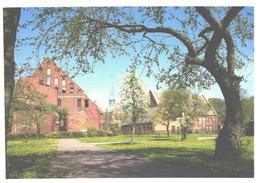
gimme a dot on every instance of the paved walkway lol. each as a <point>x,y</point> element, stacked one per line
<point>85,160</point>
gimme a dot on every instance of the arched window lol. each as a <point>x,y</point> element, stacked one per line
<point>48,71</point>
<point>56,81</point>
<point>63,82</point>
<point>79,102</point>
<point>86,103</point>
<point>48,63</point>
<point>71,89</point>
<point>40,81</point>
<point>48,81</point>
<point>63,90</point>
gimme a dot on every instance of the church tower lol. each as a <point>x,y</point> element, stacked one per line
<point>112,99</point>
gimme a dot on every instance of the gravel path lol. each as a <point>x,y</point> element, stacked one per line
<point>85,160</point>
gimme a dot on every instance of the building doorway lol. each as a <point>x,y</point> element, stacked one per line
<point>173,129</point>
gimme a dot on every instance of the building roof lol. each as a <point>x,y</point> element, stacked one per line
<point>157,95</point>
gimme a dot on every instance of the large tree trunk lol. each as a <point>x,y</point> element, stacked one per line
<point>133,134</point>
<point>229,136</point>
<point>183,133</point>
<point>11,20</point>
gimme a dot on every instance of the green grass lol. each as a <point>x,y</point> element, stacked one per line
<point>29,160</point>
<point>153,137</point>
<point>192,155</point>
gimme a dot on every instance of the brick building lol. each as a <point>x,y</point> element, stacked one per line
<point>61,90</point>
<point>205,124</point>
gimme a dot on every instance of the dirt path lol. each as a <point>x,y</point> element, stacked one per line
<point>84,160</point>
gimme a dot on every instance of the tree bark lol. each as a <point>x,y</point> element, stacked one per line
<point>133,134</point>
<point>38,133</point>
<point>183,133</point>
<point>167,127</point>
<point>11,21</point>
<point>229,136</point>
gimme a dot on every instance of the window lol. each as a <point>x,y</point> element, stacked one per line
<point>199,121</point>
<point>79,103</point>
<point>40,81</point>
<point>56,81</point>
<point>211,128</point>
<point>48,71</point>
<point>207,128</point>
<point>203,121</point>
<point>86,103</point>
<point>59,102</point>
<point>48,81</point>
<point>71,90</point>
<point>210,120</point>
<point>63,90</point>
<point>63,82</point>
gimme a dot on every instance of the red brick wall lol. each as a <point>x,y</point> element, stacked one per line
<point>80,117</point>
<point>207,126</point>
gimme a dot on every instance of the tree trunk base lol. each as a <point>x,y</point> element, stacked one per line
<point>226,145</point>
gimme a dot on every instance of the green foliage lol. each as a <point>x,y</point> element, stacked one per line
<point>219,106</point>
<point>134,100</point>
<point>30,108</point>
<point>88,34</point>
<point>30,160</point>
<point>114,126</point>
<point>63,117</point>
<point>248,109</point>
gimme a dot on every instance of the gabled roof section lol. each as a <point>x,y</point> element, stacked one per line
<point>212,111</point>
<point>156,95</point>
<point>47,59</point>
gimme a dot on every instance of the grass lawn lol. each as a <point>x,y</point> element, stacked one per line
<point>153,137</point>
<point>30,160</point>
<point>191,154</point>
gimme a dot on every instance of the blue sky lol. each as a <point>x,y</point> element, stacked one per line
<point>97,85</point>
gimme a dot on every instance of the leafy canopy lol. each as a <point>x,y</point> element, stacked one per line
<point>159,37</point>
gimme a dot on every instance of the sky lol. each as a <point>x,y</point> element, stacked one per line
<point>97,84</point>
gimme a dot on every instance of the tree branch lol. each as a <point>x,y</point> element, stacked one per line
<point>207,15</point>
<point>231,14</point>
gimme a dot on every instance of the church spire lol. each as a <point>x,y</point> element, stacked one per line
<point>112,99</point>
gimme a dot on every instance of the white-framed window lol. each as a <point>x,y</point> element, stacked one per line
<point>63,82</point>
<point>48,71</point>
<point>48,81</point>
<point>56,81</point>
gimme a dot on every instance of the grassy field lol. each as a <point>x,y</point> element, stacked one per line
<point>153,137</point>
<point>191,154</point>
<point>30,160</point>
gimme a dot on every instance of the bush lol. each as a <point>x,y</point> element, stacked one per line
<point>91,131</point>
<point>78,134</point>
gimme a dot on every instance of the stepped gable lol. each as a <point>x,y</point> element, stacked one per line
<point>61,90</point>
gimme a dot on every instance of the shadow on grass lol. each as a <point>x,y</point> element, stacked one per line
<point>28,166</point>
<point>196,160</point>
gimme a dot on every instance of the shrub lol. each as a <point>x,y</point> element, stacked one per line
<point>78,134</point>
<point>101,133</point>
<point>91,131</point>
